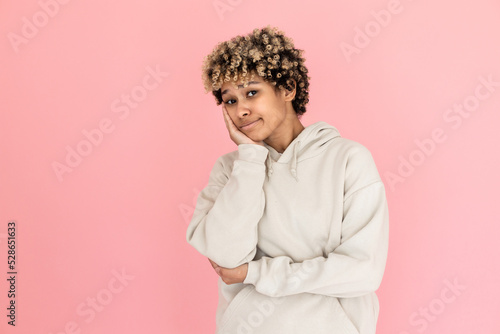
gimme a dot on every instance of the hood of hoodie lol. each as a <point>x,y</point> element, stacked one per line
<point>308,143</point>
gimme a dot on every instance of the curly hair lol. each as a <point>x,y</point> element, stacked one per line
<point>267,52</point>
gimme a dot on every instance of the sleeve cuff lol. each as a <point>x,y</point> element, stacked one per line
<point>253,272</point>
<point>252,153</point>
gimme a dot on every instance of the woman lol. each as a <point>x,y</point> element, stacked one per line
<point>295,221</point>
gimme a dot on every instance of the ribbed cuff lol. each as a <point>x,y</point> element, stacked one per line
<point>252,273</point>
<point>252,153</point>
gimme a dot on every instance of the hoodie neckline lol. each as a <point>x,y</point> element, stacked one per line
<point>307,142</point>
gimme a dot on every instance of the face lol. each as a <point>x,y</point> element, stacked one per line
<point>258,104</point>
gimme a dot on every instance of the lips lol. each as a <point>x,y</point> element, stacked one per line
<point>249,125</point>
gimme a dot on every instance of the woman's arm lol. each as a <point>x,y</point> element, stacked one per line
<point>224,223</point>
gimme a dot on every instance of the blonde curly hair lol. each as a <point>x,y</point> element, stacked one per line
<point>267,52</point>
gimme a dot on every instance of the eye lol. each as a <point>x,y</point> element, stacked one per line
<point>229,101</point>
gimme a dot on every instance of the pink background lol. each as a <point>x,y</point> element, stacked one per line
<point>126,204</point>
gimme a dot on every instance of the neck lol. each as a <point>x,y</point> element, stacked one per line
<point>285,133</point>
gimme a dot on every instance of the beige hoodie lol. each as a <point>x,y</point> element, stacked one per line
<point>313,226</point>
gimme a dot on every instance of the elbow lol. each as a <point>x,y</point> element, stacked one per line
<point>227,251</point>
<point>374,283</point>
<point>375,274</point>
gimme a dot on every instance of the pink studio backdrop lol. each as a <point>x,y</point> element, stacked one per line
<point>107,138</point>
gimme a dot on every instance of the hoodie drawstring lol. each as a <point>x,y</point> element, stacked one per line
<point>292,164</point>
<point>269,166</point>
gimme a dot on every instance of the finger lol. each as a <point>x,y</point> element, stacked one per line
<point>229,121</point>
<point>224,111</point>
<point>226,116</point>
<point>214,265</point>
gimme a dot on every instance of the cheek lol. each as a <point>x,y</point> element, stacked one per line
<point>279,107</point>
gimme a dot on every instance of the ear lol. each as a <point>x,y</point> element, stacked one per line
<point>289,93</point>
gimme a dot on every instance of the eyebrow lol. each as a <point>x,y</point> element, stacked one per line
<point>240,86</point>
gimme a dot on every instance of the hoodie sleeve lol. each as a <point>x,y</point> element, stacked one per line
<point>225,220</point>
<point>356,266</point>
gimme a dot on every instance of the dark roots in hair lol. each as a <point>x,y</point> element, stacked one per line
<point>267,52</point>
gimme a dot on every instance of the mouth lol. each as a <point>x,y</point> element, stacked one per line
<point>250,125</point>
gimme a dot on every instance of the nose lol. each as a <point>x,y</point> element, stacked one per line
<point>243,109</point>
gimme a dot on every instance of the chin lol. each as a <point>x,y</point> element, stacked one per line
<point>259,136</point>
<point>254,137</point>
